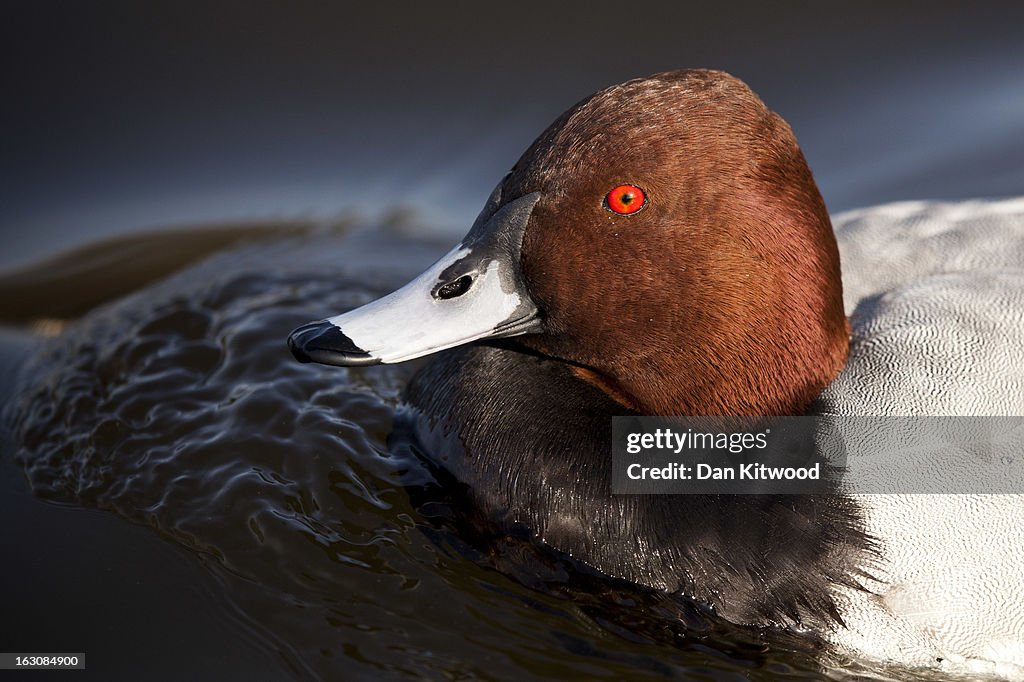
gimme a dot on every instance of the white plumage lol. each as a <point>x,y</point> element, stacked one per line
<point>936,296</point>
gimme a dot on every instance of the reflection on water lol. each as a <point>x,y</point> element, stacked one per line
<point>179,408</point>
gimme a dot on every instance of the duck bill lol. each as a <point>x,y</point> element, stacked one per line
<point>473,292</point>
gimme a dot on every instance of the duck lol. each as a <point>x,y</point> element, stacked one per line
<point>662,249</point>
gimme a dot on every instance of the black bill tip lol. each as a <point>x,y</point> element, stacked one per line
<point>325,343</point>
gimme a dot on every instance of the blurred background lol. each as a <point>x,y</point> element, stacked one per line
<point>128,116</point>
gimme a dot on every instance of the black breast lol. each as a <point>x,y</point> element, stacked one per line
<point>532,444</point>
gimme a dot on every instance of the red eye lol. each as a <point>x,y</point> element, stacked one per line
<point>625,199</point>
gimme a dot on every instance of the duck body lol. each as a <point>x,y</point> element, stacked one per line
<point>717,292</point>
<point>936,296</point>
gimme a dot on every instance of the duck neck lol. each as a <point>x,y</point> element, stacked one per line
<point>720,388</point>
<point>770,367</point>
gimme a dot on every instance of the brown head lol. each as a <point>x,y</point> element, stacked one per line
<point>721,295</point>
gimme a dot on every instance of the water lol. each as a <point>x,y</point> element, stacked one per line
<point>181,496</point>
<point>127,116</point>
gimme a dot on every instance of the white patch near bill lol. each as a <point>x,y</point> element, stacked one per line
<point>411,323</point>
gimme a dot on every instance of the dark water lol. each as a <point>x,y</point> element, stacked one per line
<point>255,522</point>
<point>124,116</point>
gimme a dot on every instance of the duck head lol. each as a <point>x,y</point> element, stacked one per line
<point>664,238</point>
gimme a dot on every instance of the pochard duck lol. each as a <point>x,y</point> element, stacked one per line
<point>662,249</point>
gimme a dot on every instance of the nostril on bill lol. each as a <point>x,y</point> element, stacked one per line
<point>455,288</point>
